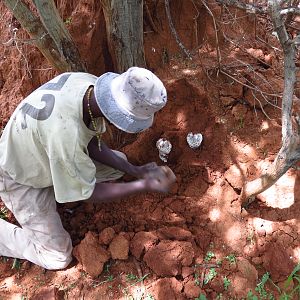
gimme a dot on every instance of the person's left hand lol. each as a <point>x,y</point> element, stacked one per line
<point>149,169</point>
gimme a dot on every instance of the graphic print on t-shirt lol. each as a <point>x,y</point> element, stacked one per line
<point>49,99</point>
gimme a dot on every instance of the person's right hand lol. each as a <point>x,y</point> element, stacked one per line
<point>160,181</point>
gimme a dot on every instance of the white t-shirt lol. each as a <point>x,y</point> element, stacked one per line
<point>45,141</point>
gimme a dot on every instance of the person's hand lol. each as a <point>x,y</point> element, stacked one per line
<point>146,170</point>
<point>160,180</point>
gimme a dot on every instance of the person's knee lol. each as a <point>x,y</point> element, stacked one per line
<point>58,264</point>
<point>54,260</point>
<point>50,258</point>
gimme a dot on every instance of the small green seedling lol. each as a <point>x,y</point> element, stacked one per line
<point>16,264</point>
<point>231,258</point>
<point>3,213</point>
<point>209,256</point>
<point>260,288</point>
<point>130,277</point>
<point>109,278</point>
<point>196,278</point>
<point>68,20</point>
<point>296,290</point>
<point>251,296</point>
<point>226,283</point>
<point>241,124</point>
<point>201,297</point>
<point>212,273</point>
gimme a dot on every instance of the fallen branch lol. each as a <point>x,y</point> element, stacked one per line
<point>173,31</point>
<point>289,153</point>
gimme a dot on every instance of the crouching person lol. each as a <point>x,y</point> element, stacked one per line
<point>51,150</point>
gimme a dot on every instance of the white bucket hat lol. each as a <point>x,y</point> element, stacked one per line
<point>129,100</point>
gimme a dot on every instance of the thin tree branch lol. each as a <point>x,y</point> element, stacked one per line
<point>38,33</point>
<point>216,33</point>
<point>173,30</point>
<point>250,8</point>
<point>290,10</point>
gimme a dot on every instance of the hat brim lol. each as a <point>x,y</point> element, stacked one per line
<point>110,109</point>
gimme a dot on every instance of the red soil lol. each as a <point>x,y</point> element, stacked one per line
<point>172,240</point>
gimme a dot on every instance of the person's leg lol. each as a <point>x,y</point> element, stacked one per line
<point>41,238</point>
<point>106,173</point>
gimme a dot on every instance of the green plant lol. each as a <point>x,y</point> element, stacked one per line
<point>241,123</point>
<point>260,288</point>
<point>109,278</point>
<point>66,289</point>
<point>231,258</point>
<point>283,295</point>
<point>209,256</point>
<point>16,264</point>
<point>226,283</point>
<point>294,275</point>
<point>3,213</point>
<point>196,278</point>
<point>68,21</point>
<point>4,259</point>
<point>149,297</point>
<point>137,280</point>
<point>131,277</point>
<point>201,297</point>
<point>219,296</point>
<point>251,296</point>
<point>107,267</point>
<point>212,273</point>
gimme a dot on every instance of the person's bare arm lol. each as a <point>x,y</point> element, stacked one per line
<point>106,192</point>
<point>107,157</point>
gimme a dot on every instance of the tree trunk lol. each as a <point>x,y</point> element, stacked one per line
<point>38,33</point>
<point>124,27</point>
<point>289,153</point>
<point>56,28</point>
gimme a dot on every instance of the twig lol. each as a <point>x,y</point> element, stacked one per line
<point>148,14</point>
<point>261,106</point>
<point>290,10</point>
<point>238,46</point>
<point>244,6</point>
<point>14,40</point>
<point>173,30</point>
<point>246,85</point>
<point>196,21</point>
<point>216,33</point>
<point>139,270</point>
<point>23,41</point>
